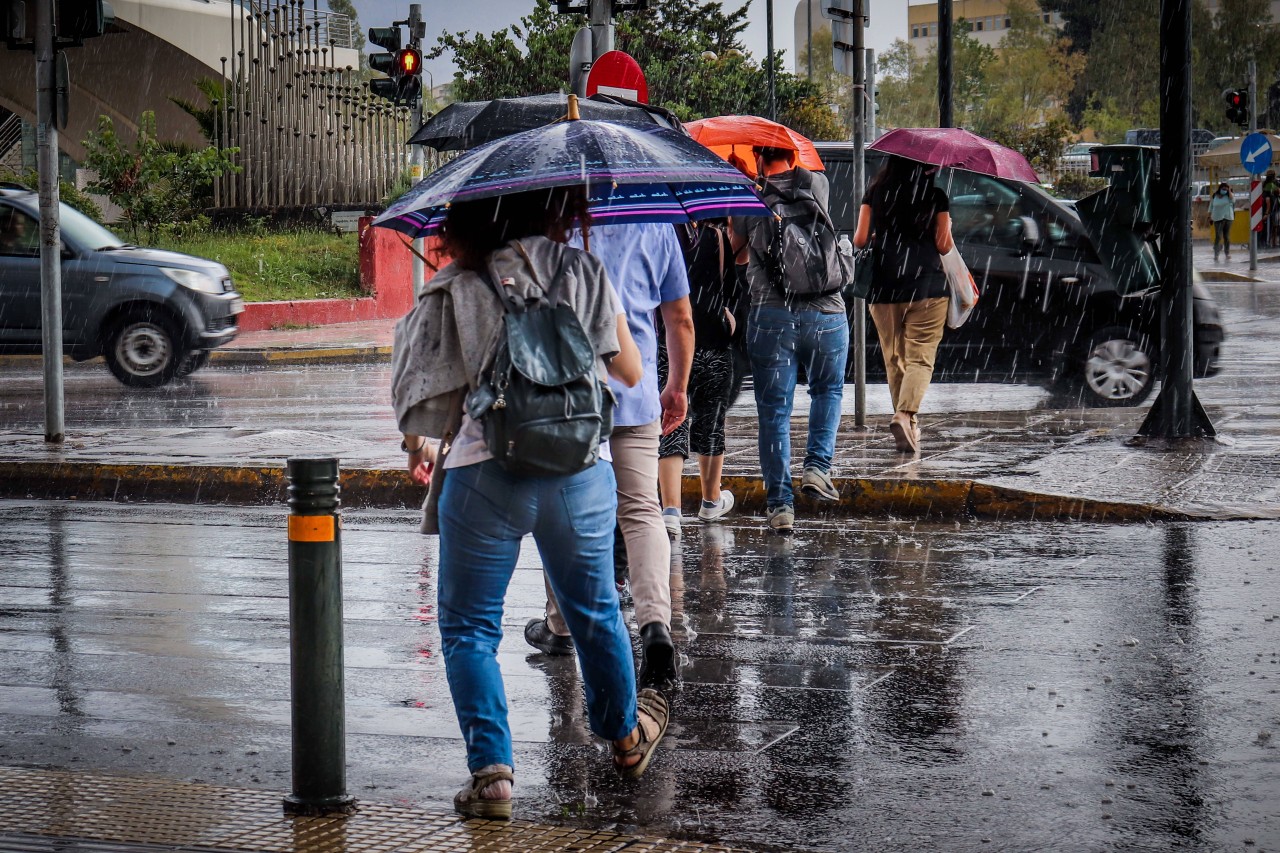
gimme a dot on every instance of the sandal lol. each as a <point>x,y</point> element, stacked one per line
<point>651,704</point>
<point>469,803</point>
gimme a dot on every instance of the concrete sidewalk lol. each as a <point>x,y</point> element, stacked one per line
<point>1040,463</point>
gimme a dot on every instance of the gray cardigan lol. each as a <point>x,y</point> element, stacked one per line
<point>444,344</point>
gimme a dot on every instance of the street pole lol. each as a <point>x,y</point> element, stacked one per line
<point>601,27</point>
<point>1253,128</point>
<point>946,53</point>
<point>50,233</point>
<point>871,95</point>
<point>416,158</point>
<point>1176,413</point>
<point>773,99</point>
<point>858,119</point>
<point>808,43</point>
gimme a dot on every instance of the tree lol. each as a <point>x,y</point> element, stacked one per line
<point>668,40</point>
<point>154,183</point>
<point>1224,43</point>
<point>206,116</point>
<point>907,90</point>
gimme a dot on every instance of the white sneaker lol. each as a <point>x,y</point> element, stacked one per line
<point>719,509</point>
<point>671,518</point>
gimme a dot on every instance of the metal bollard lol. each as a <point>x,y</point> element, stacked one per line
<point>315,641</point>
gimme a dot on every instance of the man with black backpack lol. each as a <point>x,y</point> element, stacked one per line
<point>795,272</point>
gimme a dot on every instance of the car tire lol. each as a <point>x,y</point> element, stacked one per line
<point>1118,368</point>
<point>194,360</point>
<point>143,349</point>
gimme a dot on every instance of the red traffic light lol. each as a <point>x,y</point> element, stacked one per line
<point>409,62</point>
<point>1236,98</point>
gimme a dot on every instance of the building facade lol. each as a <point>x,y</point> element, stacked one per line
<point>988,20</point>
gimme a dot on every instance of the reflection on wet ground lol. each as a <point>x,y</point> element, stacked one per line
<point>881,685</point>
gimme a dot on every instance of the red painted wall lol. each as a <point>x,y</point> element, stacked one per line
<point>386,272</point>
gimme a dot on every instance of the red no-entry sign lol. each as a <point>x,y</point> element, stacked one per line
<point>616,73</point>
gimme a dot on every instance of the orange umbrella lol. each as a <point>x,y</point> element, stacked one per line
<point>736,135</point>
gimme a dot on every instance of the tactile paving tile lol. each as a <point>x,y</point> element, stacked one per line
<point>91,812</point>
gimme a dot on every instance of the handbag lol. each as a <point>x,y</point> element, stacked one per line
<point>864,263</point>
<point>962,292</point>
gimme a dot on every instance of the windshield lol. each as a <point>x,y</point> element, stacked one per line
<point>83,231</point>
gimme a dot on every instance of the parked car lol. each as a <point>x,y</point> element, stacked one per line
<point>1076,159</point>
<point>151,314</point>
<point>1051,309</point>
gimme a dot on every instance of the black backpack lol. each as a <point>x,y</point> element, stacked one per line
<point>542,404</point>
<point>801,256</point>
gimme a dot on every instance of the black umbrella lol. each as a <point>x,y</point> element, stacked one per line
<point>468,124</point>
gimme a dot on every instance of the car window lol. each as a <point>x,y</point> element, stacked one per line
<point>983,210</point>
<point>19,233</point>
<point>83,231</point>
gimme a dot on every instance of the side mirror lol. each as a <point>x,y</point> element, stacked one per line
<point>1031,237</point>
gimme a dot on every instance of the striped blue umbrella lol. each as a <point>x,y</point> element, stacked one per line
<point>633,173</point>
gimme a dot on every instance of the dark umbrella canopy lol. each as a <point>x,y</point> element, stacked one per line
<point>469,124</point>
<point>956,148</point>
<point>633,173</point>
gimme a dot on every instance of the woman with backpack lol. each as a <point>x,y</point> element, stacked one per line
<point>714,295</point>
<point>905,219</point>
<point>450,382</point>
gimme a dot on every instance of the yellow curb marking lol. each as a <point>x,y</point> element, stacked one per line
<point>311,528</point>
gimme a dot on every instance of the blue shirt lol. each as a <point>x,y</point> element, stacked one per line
<point>646,267</point>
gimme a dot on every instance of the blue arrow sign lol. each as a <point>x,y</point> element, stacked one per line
<point>1255,153</point>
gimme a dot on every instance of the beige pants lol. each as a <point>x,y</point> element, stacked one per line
<point>909,334</point>
<point>635,467</point>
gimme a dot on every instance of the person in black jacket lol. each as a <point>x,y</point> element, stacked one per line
<point>715,296</point>
<point>906,220</point>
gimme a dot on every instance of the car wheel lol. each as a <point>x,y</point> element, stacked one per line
<point>143,350</point>
<point>1119,368</point>
<point>192,362</point>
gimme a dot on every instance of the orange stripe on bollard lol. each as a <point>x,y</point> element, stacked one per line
<point>311,528</point>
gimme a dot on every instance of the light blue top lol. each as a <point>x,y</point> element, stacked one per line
<point>646,266</point>
<point>1220,207</point>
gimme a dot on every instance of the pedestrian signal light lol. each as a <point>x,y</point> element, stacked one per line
<point>1237,101</point>
<point>408,62</point>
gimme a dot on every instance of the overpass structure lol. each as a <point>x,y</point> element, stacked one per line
<point>153,55</point>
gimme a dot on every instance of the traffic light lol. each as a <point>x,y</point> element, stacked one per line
<point>1237,101</point>
<point>401,63</point>
<point>387,38</point>
<point>408,75</point>
<point>82,19</point>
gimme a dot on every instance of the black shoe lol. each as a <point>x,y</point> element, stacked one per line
<point>657,658</point>
<point>539,635</point>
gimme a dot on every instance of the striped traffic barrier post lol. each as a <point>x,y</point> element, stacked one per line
<point>318,707</point>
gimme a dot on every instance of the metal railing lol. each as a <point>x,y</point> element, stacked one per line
<point>11,142</point>
<point>334,29</point>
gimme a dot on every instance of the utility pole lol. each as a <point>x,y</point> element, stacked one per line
<point>417,28</point>
<point>946,61</point>
<point>859,120</point>
<point>871,95</point>
<point>773,98</point>
<point>1176,414</point>
<point>50,232</point>
<point>808,42</point>
<point>1253,128</point>
<point>601,27</point>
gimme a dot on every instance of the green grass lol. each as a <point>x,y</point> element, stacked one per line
<point>287,265</point>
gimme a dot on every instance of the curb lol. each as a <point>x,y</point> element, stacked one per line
<point>934,499</point>
<point>1227,275</point>
<point>248,357</point>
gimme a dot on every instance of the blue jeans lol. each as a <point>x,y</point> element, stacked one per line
<point>484,513</point>
<point>778,341</point>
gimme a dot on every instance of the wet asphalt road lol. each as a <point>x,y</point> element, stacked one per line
<point>867,686</point>
<point>356,397</point>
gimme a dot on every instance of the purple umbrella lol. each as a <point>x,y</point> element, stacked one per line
<point>956,148</point>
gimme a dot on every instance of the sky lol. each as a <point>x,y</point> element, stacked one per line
<point>888,22</point>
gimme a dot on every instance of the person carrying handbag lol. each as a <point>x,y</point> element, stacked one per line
<point>906,221</point>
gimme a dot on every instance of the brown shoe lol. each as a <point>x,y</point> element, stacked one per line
<point>905,435</point>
